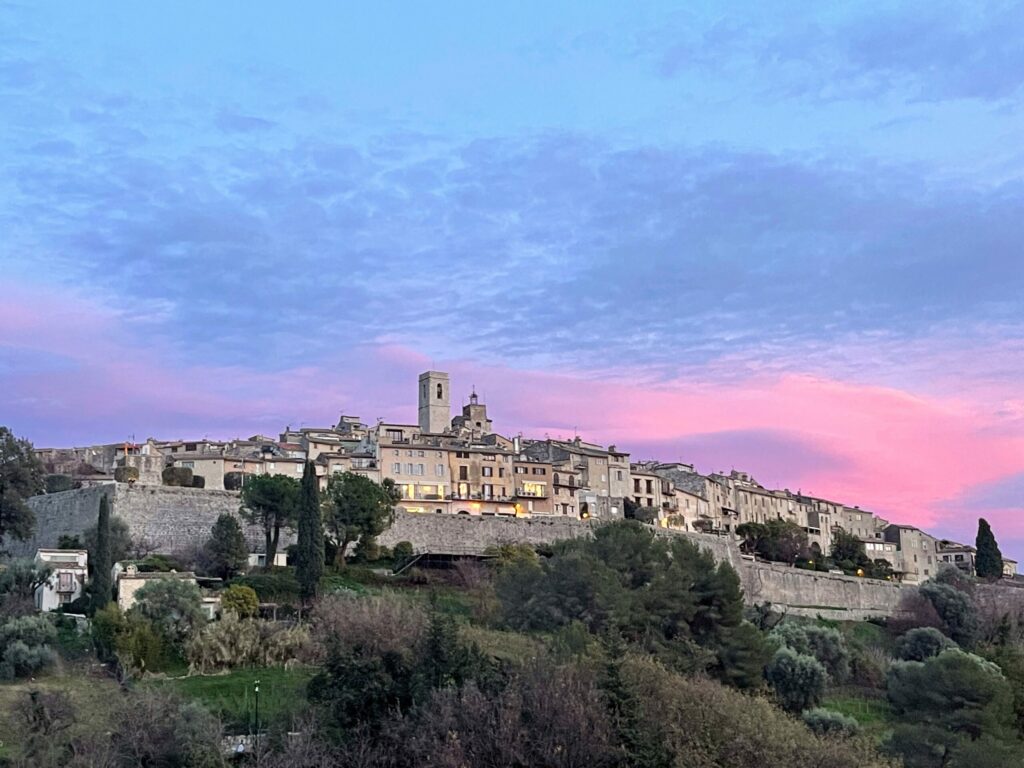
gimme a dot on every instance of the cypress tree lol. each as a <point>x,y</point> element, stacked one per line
<point>988,562</point>
<point>100,559</point>
<point>309,555</point>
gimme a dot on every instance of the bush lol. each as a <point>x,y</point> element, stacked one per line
<point>22,660</point>
<point>140,647</point>
<point>280,587</point>
<point>921,643</point>
<point>177,476</point>
<point>173,605</point>
<point>233,642</point>
<point>158,563</point>
<point>823,643</point>
<point>956,609</point>
<point>239,600</point>
<point>126,474</point>
<point>25,646</point>
<point>403,551</point>
<point>198,481</point>
<point>385,623</point>
<point>703,723</point>
<point>233,481</point>
<point>798,680</point>
<point>107,624</point>
<point>827,721</point>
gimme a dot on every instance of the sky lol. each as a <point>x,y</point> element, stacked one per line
<point>778,237</point>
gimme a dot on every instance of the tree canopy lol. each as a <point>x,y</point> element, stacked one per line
<point>271,502</point>
<point>356,508</point>
<point>21,476</point>
<point>309,553</point>
<point>988,562</point>
<point>227,548</point>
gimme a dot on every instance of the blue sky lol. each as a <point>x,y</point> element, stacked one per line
<point>266,210</point>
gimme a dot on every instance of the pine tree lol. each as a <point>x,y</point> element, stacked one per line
<point>100,559</point>
<point>309,556</point>
<point>227,547</point>
<point>988,562</point>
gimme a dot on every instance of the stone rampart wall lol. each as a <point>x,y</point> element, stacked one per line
<point>169,518</point>
<point>788,589</point>
<point>180,518</point>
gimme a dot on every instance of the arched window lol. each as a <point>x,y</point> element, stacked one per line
<point>438,391</point>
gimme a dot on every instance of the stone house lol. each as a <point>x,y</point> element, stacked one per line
<point>916,553</point>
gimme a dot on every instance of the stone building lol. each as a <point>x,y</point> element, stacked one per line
<point>474,422</point>
<point>434,403</point>
<point>916,553</point>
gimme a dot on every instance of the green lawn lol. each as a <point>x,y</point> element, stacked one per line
<point>231,696</point>
<point>874,715</point>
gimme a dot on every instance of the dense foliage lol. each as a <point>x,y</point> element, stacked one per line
<point>309,550</point>
<point>227,549</point>
<point>988,562</point>
<point>357,510</point>
<point>21,476</point>
<point>271,502</point>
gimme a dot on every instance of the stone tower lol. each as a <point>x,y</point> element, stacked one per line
<point>435,403</point>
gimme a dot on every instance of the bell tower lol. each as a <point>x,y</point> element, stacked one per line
<point>435,403</point>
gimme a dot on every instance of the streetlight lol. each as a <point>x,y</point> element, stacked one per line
<point>256,690</point>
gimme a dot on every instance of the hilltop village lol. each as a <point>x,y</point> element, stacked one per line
<point>461,466</point>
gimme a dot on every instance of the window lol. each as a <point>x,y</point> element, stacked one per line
<point>539,471</point>
<point>488,491</point>
<point>461,455</point>
<point>501,471</point>
<point>394,434</point>
<point>439,470</point>
<point>463,472</point>
<point>396,468</point>
<point>397,452</point>
<point>408,453</point>
<point>488,471</point>
<point>408,469</point>
<point>520,470</point>
<point>188,464</point>
<point>618,475</point>
<point>489,457</point>
<point>650,487</point>
<point>419,470</point>
<point>440,392</point>
<point>419,454</point>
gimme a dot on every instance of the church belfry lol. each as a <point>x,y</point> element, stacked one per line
<point>435,403</point>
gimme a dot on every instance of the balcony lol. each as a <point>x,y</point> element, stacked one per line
<point>532,493</point>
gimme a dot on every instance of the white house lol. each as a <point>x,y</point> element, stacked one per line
<point>66,581</point>
<point>259,559</point>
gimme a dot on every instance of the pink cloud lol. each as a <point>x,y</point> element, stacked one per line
<point>904,455</point>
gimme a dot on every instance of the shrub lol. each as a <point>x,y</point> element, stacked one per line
<point>173,605</point>
<point>956,609</point>
<point>158,563</point>
<point>140,647</point>
<point>827,721</point>
<point>921,643</point>
<point>198,481</point>
<point>403,551</point>
<point>126,474</point>
<point>703,723</point>
<point>177,476</point>
<point>239,600</point>
<point>798,680</point>
<point>233,642</point>
<point>233,481</point>
<point>280,587</point>
<point>823,643</point>
<point>107,624</point>
<point>22,660</point>
<point>380,623</point>
<point>32,630</point>
<point>25,646</point>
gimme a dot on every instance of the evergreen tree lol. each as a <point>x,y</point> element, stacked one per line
<point>100,559</point>
<point>309,556</point>
<point>988,562</point>
<point>227,548</point>
<point>21,476</point>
